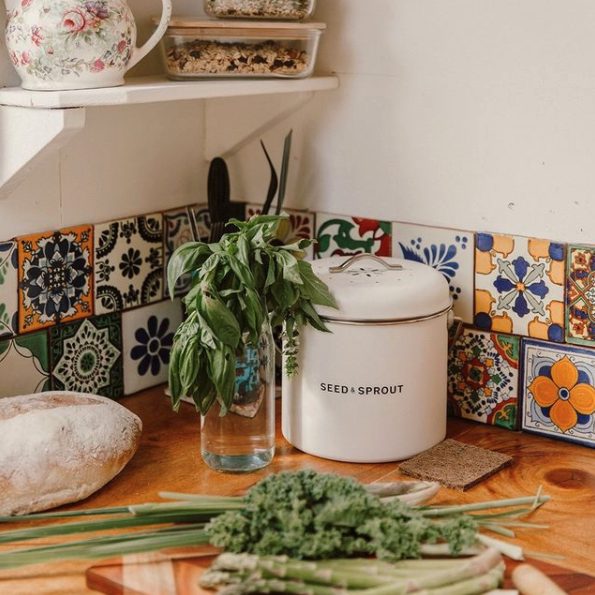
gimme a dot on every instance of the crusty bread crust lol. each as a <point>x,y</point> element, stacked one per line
<point>60,447</point>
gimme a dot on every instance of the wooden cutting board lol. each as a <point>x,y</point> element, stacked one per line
<point>178,574</point>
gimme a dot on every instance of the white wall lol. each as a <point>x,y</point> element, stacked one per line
<point>477,114</point>
<point>127,160</point>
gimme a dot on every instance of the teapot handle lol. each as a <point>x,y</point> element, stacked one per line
<point>139,53</point>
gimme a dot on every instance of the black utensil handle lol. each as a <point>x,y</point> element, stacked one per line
<point>218,189</point>
<point>273,184</point>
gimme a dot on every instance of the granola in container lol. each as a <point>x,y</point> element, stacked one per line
<point>207,49</point>
<point>260,9</point>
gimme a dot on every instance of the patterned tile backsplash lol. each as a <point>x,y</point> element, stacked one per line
<point>448,251</point>
<point>86,356</point>
<point>24,365</point>
<point>55,277</point>
<point>176,231</point>
<point>128,263</point>
<point>340,235</point>
<point>148,338</point>
<point>483,378</point>
<point>9,307</point>
<point>87,309</point>
<point>580,295</point>
<point>519,286</point>
<point>559,391</point>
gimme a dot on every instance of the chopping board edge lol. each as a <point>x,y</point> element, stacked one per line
<point>108,579</point>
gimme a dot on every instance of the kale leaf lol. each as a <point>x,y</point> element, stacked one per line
<point>309,515</point>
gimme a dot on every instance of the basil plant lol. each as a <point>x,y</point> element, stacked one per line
<point>249,276</point>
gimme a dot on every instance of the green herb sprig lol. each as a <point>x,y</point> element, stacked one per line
<point>246,279</point>
<point>302,514</point>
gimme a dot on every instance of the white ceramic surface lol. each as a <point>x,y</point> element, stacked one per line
<point>374,388</point>
<point>368,393</point>
<point>75,44</point>
<point>369,289</point>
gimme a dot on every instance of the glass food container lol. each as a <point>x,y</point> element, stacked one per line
<point>260,9</point>
<point>194,49</point>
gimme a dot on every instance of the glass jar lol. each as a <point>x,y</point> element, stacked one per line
<point>243,440</point>
<point>260,9</point>
<point>194,50</point>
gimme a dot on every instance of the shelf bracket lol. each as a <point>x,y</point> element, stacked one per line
<point>29,136</point>
<point>253,116</point>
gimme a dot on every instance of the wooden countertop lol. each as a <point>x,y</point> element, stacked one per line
<point>169,459</point>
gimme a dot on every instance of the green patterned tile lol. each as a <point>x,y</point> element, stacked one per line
<point>8,289</point>
<point>87,356</point>
<point>24,365</point>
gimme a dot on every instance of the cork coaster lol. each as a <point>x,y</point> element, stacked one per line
<point>455,465</point>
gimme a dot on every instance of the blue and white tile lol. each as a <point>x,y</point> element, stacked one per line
<point>148,335</point>
<point>558,391</point>
<point>9,304</point>
<point>449,251</point>
<point>128,263</point>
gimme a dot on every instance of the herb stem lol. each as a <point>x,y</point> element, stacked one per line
<point>437,511</point>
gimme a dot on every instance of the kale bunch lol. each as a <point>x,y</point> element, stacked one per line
<point>309,515</point>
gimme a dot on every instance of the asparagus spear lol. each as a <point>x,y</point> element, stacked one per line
<point>248,573</point>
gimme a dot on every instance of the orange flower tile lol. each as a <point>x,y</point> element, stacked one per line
<point>559,391</point>
<point>55,277</point>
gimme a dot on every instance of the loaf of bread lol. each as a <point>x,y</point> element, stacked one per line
<point>60,447</point>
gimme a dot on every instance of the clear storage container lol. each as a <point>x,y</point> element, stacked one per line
<point>194,49</point>
<point>260,9</point>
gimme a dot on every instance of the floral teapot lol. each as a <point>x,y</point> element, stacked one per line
<point>75,44</point>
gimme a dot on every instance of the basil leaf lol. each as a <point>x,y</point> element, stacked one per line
<point>254,314</point>
<point>188,257</point>
<point>313,317</point>
<point>244,250</point>
<point>223,374</point>
<point>314,289</point>
<point>175,387</point>
<point>190,299</point>
<point>241,270</point>
<point>190,364</point>
<point>291,271</point>
<point>271,273</point>
<point>223,323</point>
<point>206,398</point>
<point>207,336</point>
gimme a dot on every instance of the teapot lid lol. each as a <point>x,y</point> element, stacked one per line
<point>368,288</point>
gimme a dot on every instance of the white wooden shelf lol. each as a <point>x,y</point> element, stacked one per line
<point>159,89</point>
<point>35,124</point>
